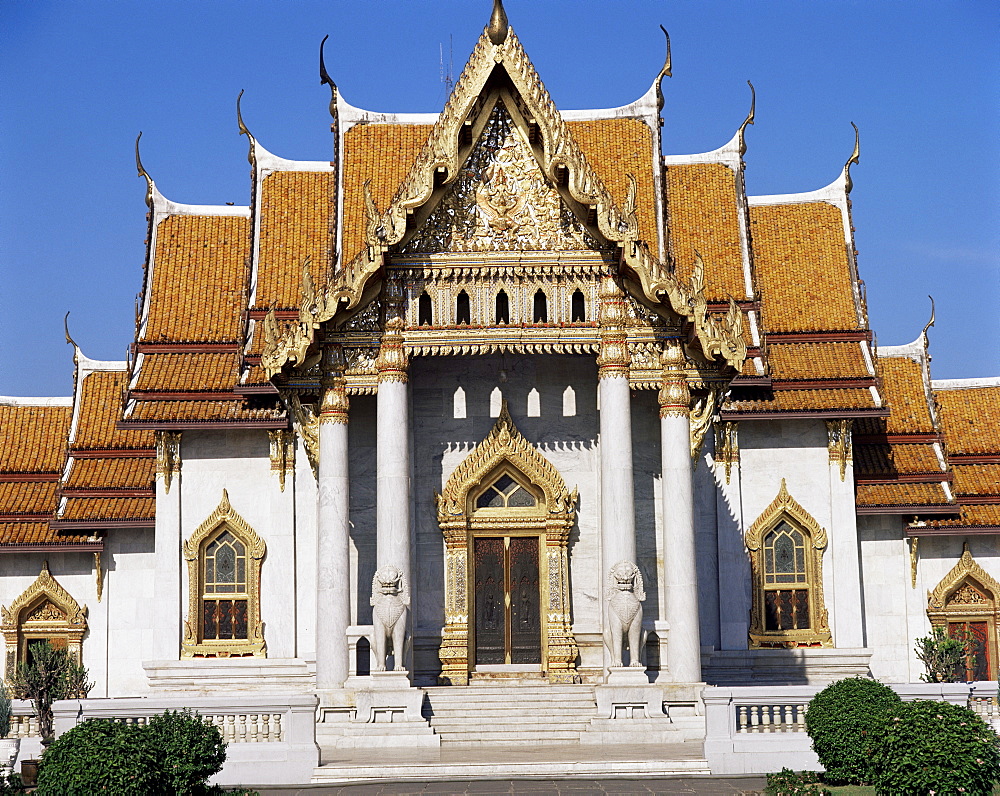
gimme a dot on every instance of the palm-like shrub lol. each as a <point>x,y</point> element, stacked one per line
<point>52,674</point>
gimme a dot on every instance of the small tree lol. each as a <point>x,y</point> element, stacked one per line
<point>51,675</point>
<point>6,712</point>
<point>943,656</point>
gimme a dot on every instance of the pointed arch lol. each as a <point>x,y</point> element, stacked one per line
<point>506,488</point>
<point>224,557</point>
<point>44,611</point>
<point>786,547</point>
<point>965,602</point>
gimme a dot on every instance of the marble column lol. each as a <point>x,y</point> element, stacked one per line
<point>393,454</point>
<point>680,564</point>
<point>617,488</point>
<point>168,541</point>
<point>333,559</point>
<point>847,620</point>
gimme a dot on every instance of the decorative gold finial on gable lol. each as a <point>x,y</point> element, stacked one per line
<point>498,28</point>
<point>748,120</point>
<point>666,71</point>
<point>923,333</point>
<point>326,80</point>
<point>143,173</point>
<point>852,159</point>
<point>245,131</point>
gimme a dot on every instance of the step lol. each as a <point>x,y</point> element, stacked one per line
<point>518,720</point>
<point>510,739</point>
<point>483,716</point>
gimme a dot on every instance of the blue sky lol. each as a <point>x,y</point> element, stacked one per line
<point>81,79</point>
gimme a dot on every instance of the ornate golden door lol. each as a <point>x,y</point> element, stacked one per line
<point>506,516</point>
<point>507,602</point>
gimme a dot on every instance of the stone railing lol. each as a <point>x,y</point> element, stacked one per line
<point>756,730</point>
<point>271,739</point>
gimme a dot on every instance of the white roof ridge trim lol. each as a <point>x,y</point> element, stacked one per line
<point>917,350</point>
<point>268,162</point>
<point>164,207</point>
<point>965,384</point>
<point>727,154</point>
<point>17,400</point>
<point>834,193</point>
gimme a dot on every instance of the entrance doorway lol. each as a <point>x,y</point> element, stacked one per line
<point>508,625</point>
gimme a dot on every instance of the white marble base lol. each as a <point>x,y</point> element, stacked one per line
<point>388,698</point>
<point>627,697</point>
<point>627,675</point>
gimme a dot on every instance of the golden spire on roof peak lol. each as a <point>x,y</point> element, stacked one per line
<point>143,173</point>
<point>326,80</point>
<point>927,326</point>
<point>849,183</point>
<point>70,340</point>
<point>244,131</point>
<point>498,28</point>
<point>666,71</point>
<point>748,120</point>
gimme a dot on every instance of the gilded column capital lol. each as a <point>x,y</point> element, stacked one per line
<point>392,362</point>
<point>334,404</point>
<point>674,396</point>
<point>614,359</point>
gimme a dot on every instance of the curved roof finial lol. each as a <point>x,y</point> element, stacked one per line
<point>69,337</point>
<point>666,71</point>
<point>245,131</point>
<point>852,159</point>
<point>498,27</point>
<point>929,323</point>
<point>143,173</point>
<point>326,80</point>
<point>748,120</point>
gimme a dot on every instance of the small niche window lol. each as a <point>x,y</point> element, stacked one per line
<point>541,308</point>
<point>505,492</point>
<point>578,310</point>
<point>786,586</point>
<point>463,309</point>
<point>424,314</point>
<point>503,308</point>
<point>225,593</point>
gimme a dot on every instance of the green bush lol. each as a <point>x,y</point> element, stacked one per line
<point>845,722</point>
<point>795,783</point>
<point>99,756</point>
<point>935,747</point>
<point>189,749</point>
<point>6,713</point>
<point>942,656</point>
<point>11,785</point>
<point>175,753</point>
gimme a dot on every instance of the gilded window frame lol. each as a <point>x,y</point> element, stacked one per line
<point>225,517</point>
<point>784,508</point>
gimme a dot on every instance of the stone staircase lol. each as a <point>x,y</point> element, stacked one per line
<point>510,713</point>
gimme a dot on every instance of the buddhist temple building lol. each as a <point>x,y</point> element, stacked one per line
<point>501,397</point>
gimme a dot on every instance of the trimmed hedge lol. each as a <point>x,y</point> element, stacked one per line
<point>175,753</point>
<point>936,747</point>
<point>845,722</point>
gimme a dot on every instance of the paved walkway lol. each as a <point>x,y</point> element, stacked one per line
<point>565,786</point>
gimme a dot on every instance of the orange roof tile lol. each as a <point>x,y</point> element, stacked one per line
<point>384,154</point>
<point>188,372</point>
<point>198,288</point>
<point>297,220</point>
<point>33,438</point>
<point>977,479</point>
<point>702,216</point>
<point>615,148</point>
<point>972,516</point>
<point>903,388</point>
<point>971,419</point>
<point>883,459</point>
<point>199,411</point>
<point>806,401</point>
<point>36,533</point>
<point>793,361</point>
<point>27,498</point>
<point>115,509</point>
<point>119,473</point>
<point>100,408</point>
<point>901,494</point>
<point>802,267</point>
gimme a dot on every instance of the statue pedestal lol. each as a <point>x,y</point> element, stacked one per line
<point>628,694</point>
<point>389,698</point>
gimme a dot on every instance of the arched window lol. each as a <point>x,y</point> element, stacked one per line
<point>964,605</point>
<point>786,556</point>
<point>424,314</point>
<point>505,493</point>
<point>463,310</point>
<point>541,308</point>
<point>578,310</point>
<point>45,611</point>
<point>503,308</point>
<point>224,558</point>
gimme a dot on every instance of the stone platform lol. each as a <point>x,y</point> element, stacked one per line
<point>345,766</point>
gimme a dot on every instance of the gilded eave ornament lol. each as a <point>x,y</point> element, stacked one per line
<point>854,158</point>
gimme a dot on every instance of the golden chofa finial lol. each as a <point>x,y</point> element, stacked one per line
<point>929,323</point>
<point>326,80</point>
<point>849,183</point>
<point>498,27</point>
<point>748,120</point>
<point>666,71</point>
<point>143,173</point>
<point>244,130</point>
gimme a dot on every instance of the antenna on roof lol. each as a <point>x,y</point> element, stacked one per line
<point>447,74</point>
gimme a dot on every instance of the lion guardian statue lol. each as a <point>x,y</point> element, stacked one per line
<point>624,594</point>
<point>390,603</point>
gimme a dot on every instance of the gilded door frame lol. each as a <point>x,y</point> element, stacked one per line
<point>551,519</point>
